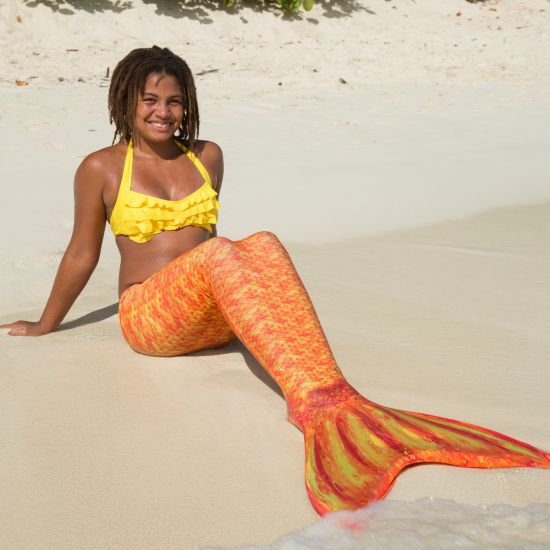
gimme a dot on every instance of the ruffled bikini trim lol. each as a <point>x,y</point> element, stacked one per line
<point>145,216</point>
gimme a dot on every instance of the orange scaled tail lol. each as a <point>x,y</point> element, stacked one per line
<point>356,449</point>
<point>250,289</point>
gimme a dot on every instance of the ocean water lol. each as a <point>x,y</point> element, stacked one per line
<point>423,524</point>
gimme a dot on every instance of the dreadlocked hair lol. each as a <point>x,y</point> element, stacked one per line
<point>128,82</point>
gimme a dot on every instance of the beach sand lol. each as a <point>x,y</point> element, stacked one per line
<point>413,198</point>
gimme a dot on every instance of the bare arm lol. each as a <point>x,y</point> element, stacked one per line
<point>81,255</point>
<point>213,160</point>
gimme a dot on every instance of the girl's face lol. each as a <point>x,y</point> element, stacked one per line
<point>159,110</point>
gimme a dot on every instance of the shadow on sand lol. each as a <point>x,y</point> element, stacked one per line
<point>200,10</point>
<point>255,368</point>
<point>92,317</point>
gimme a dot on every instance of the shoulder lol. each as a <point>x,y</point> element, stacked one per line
<point>208,150</point>
<point>103,160</point>
<point>101,167</point>
<point>211,156</point>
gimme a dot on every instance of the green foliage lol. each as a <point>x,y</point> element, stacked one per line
<point>288,5</point>
<point>174,7</point>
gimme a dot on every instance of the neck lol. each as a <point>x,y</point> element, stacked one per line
<point>165,150</point>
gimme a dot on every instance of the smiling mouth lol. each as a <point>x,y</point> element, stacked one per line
<point>161,125</point>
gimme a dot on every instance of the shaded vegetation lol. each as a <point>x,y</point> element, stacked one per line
<point>198,9</point>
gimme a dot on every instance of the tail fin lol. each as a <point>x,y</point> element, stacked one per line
<point>356,450</point>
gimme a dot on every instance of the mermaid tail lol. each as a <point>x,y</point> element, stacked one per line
<point>250,289</point>
<point>356,448</point>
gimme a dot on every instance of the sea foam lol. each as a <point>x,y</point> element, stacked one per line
<point>423,524</point>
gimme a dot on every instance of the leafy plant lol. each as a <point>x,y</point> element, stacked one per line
<point>287,5</point>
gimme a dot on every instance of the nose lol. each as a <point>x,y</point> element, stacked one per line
<point>162,109</point>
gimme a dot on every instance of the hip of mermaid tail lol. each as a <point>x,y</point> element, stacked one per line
<point>355,448</point>
<point>126,295</point>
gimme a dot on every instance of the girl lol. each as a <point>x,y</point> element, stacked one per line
<point>183,289</point>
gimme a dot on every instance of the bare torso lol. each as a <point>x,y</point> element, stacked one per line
<point>173,178</point>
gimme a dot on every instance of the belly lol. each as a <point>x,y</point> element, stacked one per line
<point>138,261</point>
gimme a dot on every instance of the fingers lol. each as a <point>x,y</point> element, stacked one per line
<point>10,325</point>
<point>25,328</point>
<point>19,328</point>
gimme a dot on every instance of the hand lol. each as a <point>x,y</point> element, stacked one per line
<point>25,328</point>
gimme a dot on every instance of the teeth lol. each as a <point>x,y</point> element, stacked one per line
<point>159,125</point>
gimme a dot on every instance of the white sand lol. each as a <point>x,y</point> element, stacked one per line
<point>414,200</point>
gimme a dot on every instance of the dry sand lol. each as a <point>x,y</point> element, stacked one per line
<point>414,200</point>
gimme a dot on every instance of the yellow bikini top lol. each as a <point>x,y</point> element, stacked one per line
<point>141,216</point>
